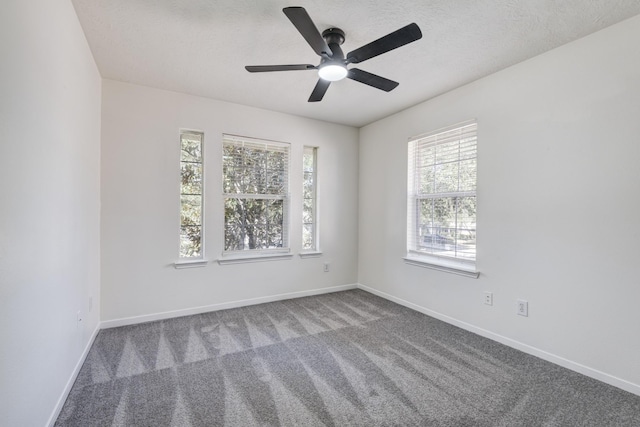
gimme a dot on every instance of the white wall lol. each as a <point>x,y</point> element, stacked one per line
<point>140,203</point>
<point>49,205</point>
<point>558,205</point>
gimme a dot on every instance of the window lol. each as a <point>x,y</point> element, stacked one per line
<point>309,217</point>
<point>442,197</point>
<point>191,191</point>
<point>255,190</point>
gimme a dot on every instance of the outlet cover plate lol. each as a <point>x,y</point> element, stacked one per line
<point>522,308</point>
<point>488,298</point>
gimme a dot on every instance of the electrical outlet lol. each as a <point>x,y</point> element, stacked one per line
<point>488,298</point>
<point>325,267</point>
<point>522,308</point>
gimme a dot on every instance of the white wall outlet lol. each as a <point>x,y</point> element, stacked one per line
<point>325,267</point>
<point>488,298</point>
<point>522,308</point>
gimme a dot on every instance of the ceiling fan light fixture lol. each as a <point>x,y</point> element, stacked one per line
<point>333,72</point>
<point>333,61</point>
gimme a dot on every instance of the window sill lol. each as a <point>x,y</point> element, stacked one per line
<point>244,258</point>
<point>314,254</point>
<point>444,265</point>
<point>190,263</point>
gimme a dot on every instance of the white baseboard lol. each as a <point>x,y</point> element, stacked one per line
<point>549,357</point>
<point>222,306</point>
<point>72,379</point>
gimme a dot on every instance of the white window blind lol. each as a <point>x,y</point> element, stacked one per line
<point>256,194</point>
<point>309,211</point>
<point>441,196</point>
<point>191,194</point>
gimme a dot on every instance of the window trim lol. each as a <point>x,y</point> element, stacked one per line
<point>314,250</point>
<point>310,254</point>
<point>450,264</point>
<point>193,261</point>
<point>190,263</point>
<point>439,263</point>
<point>241,258</point>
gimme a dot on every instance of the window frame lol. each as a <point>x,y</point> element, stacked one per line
<point>417,146</point>
<point>314,248</point>
<point>198,260</point>
<point>257,254</point>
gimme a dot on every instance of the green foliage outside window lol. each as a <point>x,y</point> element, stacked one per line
<point>191,194</point>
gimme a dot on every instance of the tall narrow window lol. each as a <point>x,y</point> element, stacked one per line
<point>191,191</point>
<point>309,215</point>
<point>442,195</point>
<point>255,190</point>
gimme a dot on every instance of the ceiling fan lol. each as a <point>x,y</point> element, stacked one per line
<point>333,63</point>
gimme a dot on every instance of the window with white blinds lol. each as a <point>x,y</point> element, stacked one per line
<point>441,223</point>
<point>256,194</point>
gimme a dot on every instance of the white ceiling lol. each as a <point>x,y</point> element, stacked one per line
<point>200,47</point>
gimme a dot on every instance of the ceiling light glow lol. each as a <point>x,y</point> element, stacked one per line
<point>332,72</point>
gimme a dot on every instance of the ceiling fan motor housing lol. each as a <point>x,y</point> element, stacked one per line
<point>334,38</point>
<point>333,35</point>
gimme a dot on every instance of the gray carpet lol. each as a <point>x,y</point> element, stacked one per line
<point>342,359</point>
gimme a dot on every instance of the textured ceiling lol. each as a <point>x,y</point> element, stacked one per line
<point>200,47</point>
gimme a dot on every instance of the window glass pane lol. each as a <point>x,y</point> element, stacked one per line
<point>308,186</point>
<point>190,239</point>
<point>437,224</point>
<point>307,212</point>
<point>276,159</point>
<point>446,178</point>
<point>191,174</point>
<point>307,161</point>
<point>307,236</point>
<point>191,148</point>
<point>231,155</point>
<point>230,184</point>
<point>190,208</point>
<point>425,175</point>
<point>468,175</point>
<point>276,182</point>
<point>255,236</point>
<point>235,223</point>
<point>253,223</point>
<point>466,230</point>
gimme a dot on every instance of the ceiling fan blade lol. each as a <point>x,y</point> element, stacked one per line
<point>292,67</point>
<point>391,41</point>
<point>302,21</point>
<point>319,90</point>
<point>372,80</point>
